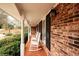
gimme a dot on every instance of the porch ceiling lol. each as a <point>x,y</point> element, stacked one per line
<point>11,9</point>
<point>35,12</point>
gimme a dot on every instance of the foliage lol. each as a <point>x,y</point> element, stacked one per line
<point>25,37</point>
<point>26,34</point>
<point>10,26</point>
<point>8,34</point>
<point>0,26</point>
<point>10,46</point>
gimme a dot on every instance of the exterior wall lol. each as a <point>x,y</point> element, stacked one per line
<point>65,30</point>
<point>33,31</point>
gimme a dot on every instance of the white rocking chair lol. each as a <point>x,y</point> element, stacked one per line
<point>35,42</point>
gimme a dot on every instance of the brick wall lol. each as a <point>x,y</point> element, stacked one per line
<point>65,30</point>
<point>33,31</point>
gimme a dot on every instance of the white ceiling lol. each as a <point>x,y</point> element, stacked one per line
<point>11,9</point>
<point>36,11</point>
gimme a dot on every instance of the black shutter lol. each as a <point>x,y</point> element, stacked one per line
<point>48,19</point>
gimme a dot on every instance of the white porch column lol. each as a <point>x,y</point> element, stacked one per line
<point>29,32</point>
<point>22,38</point>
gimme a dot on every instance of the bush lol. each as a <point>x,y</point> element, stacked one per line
<point>10,46</point>
<point>8,34</point>
<point>25,37</point>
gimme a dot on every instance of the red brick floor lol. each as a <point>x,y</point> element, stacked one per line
<point>41,52</point>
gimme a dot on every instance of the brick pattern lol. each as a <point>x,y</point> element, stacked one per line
<point>65,30</point>
<point>33,31</point>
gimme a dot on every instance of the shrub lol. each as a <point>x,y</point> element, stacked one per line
<point>8,34</point>
<point>25,37</point>
<point>10,46</point>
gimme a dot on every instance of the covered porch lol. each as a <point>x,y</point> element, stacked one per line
<point>54,25</point>
<point>35,15</point>
<point>32,16</point>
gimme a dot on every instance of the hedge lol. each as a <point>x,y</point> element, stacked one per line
<point>10,46</point>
